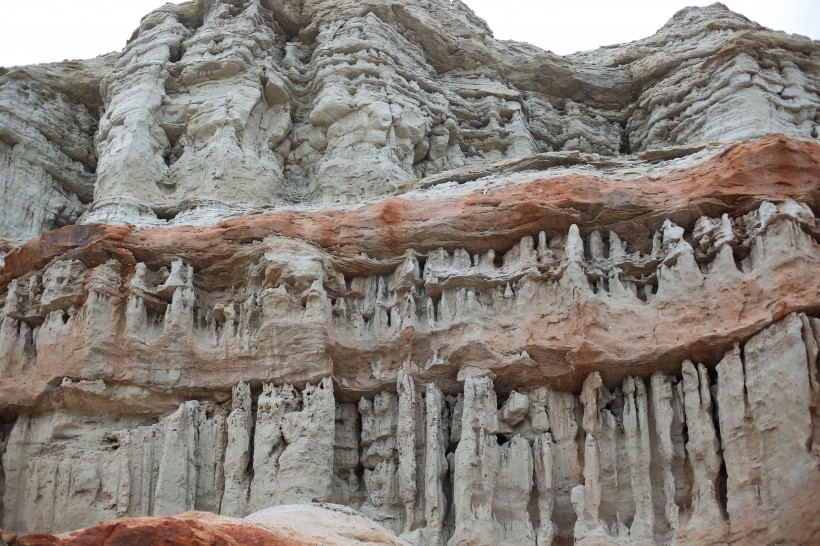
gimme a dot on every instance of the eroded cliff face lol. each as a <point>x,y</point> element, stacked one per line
<point>218,108</point>
<point>365,254</point>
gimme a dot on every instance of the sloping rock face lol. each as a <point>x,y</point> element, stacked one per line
<point>364,253</point>
<point>291,525</point>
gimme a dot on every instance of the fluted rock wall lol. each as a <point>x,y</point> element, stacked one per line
<point>364,253</point>
<point>699,455</point>
<point>499,456</point>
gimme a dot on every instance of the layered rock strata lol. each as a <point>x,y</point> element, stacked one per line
<point>278,309</point>
<point>444,431</point>
<point>700,455</point>
<point>472,291</point>
<point>215,108</point>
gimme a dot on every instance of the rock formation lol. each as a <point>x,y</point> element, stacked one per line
<point>362,253</point>
<point>293,525</point>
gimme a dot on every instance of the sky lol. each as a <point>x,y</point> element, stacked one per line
<point>34,31</point>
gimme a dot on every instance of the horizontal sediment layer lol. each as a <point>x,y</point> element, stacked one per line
<point>537,300</point>
<point>488,215</point>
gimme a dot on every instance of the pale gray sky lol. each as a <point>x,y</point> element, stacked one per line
<point>33,31</point>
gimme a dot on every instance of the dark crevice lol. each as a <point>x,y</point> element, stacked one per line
<point>721,491</point>
<point>422,260</point>
<point>740,254</point>
<point>175,53</point>
<point>175,149</point>
<point>721,482</point>
<point>436,302</point>
<point>626,147</point>
<point>593,286</point>
<point>359,466</point>
<point>249,468</point>
<point>742,357</point>
<point>685,435</point>
<point>166,215</point>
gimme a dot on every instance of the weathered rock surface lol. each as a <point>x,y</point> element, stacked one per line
<point>290,525</point>
<point>218,108</point>
<point>281,310</point>
<point>660,484</point>
<point>363,253</point>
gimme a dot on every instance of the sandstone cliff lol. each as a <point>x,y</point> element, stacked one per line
<point>364,253</point>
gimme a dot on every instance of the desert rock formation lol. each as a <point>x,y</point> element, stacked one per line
<point>363,253</point>
<point>290,525</point>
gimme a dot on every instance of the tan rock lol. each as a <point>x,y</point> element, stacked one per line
<point>364,253</point>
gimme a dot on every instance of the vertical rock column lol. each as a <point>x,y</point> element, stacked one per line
<point>512,494</point>
<point>306,465</point>
<point>211,444</point>
<point>139,449</point>
<point>492,483</point>
<point>587,498</point>
<point>16,511</point>
<point>435,469</point>
<point>268,443</point>
<point>379,458</point>
<point>406,443</point>
<point>702,447</point>
<point>177,475</point>
<point>779,396</point>
<point>237,453</point>
<point>563,420</point>
<point>661,395</point>
<point>293,447</point>
<point>179,316</point>
<point>346,456</point>
<point>636,428</point>
<point>764,400</point>
<point>545,481</point>
<point>740,442</point>
<point>811,337</point>
<point>477,465</point>
<point>514,491</point>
